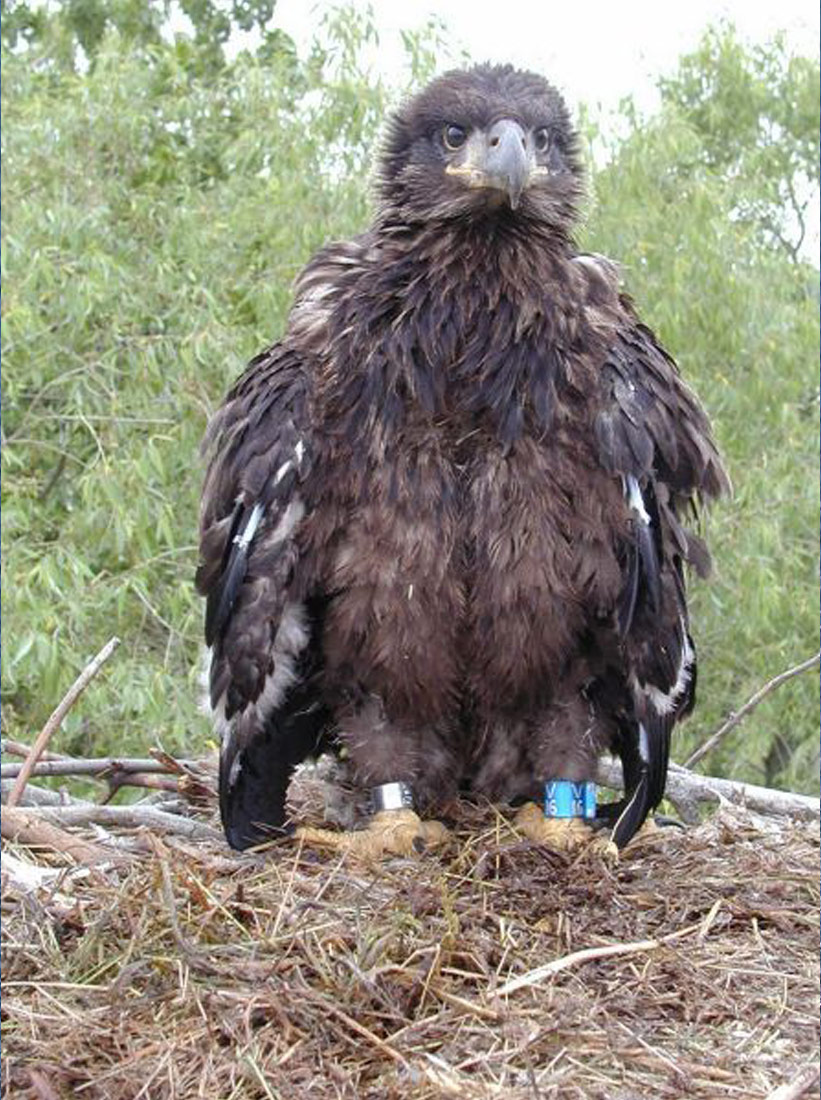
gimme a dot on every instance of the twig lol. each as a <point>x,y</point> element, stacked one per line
<point>56,474</point>
<point>101,766</point>
<point>751,704</point>
<point>36,830</point>
<point>363,1031</point>
<point>193,778</point>
<point>534,977</point>
<point>471,1007</point>
<point>799,1085</point>
<point>19,748</point>
<point>68,417</point>
<point>54,722</point>
<point>43,1088</point>
<point>166,783</point>
<point>40,796</point>
<point>191,953</point>
<point>160,772</point>
<point>685,786</point>
<point>137,816</point>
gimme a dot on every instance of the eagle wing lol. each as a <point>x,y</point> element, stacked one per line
<point>263,646</point>
<point>651,432</point>
<point>264,612</point>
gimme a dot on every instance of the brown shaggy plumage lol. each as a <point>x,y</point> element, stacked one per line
<point>442,522</point>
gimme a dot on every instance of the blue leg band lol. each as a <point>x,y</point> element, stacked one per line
<point>563,798</point>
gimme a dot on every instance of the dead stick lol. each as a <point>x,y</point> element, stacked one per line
<point>534,977</point>
<point>798,1086</point>
<point>190,951</point>
<point>686,786</point>
<point>101,766</point>
<point>365,1032</point>
<point>18,748</point>
<point>54,722</point>
<point>167,783</point>
<point>751,704</point>
<point>136,816</point>
<point>39,796</point>
<point>42,1086</point>
<point>33,830</point>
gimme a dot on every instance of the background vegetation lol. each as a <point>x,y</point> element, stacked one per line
<point>159,200</point>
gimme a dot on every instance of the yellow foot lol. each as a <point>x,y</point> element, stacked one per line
<point>564,834</point>
<point>389,833</point>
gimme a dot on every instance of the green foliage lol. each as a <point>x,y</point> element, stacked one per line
<point>75,30</point>
<point>159,202</point>
<point>152,228</point>
<point>757,115</point>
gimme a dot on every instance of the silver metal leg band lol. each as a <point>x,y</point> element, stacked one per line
<point>392,796</point>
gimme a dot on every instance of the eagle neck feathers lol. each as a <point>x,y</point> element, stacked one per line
<point>471,323</point>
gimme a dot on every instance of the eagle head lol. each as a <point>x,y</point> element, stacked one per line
<point>487,142</point>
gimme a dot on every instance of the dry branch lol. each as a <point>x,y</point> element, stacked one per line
<point>35,830</point>
<point>193,776</point>
<point>101,766</point>
<point>738,716</point>
<point>575,958</point>
<point>105,767</point>
<point>168,784</point>
<point>685,787</point>
<point>57,716</point>
<point>40,796</point>
<point>161,772</point>
<point>138,816</point>
<point>18,748</point>
<point>799,1086</point>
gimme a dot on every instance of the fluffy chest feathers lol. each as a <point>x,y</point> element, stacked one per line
<point>459,339</point>
<point>471,523</point>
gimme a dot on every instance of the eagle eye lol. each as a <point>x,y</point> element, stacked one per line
<point>454,136</point>
<point>541,139</point>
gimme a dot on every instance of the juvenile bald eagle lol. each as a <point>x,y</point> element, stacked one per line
<point>442,526</point>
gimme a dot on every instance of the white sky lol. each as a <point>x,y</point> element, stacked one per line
<point>596,52</point>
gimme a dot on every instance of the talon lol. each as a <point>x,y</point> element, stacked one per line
<point>388,833</point>
<point>569,835</point>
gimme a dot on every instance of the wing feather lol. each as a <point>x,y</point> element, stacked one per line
<point>264,633</point>
<point>651,432</point>
<point>262,642</point>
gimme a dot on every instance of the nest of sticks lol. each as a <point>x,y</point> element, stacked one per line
<point>144,960</point>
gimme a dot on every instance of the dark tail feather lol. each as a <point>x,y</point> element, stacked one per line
<point>645,777</point>
<point>253,779</point>
<point>658,729</point>
<point>633,809</point>
<point>253,784</point>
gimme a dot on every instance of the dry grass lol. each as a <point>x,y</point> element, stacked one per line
<point>194,973</point>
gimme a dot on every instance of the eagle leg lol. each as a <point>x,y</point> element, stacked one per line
<point>399,832</point>
<point>569,835</point>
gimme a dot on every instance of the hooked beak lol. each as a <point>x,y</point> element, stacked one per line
<point>499,160</point>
